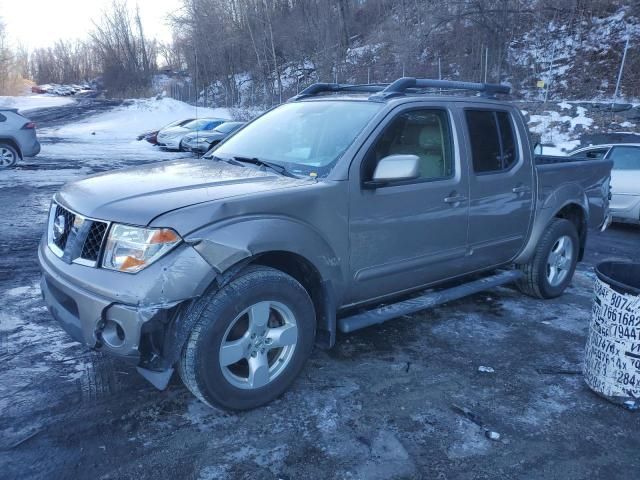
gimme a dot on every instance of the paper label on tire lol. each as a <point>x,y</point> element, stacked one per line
<point>612,356</point>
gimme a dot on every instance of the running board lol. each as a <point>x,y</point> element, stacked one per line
<point>428,300</point>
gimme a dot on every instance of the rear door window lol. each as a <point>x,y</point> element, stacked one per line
<point>493,144</point>
<point>625,158</point>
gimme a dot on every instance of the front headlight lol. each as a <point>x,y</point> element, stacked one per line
<point>130,249</point>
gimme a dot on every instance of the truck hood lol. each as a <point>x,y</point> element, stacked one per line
<point>137,195</point>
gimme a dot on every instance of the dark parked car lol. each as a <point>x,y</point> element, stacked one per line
<point>201,142</point>
<point>339,210</point>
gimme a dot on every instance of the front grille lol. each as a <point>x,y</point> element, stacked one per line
<point>69,218</point>
<point>93,242</point>
<point>75,238</point>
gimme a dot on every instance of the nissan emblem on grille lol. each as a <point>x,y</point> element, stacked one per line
<point>59,225</point>
<point>75,238</point>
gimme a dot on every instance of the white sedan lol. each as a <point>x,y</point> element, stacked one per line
<point>171,137</point>
<point>625,177</point>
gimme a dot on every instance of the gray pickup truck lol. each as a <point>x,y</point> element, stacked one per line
<point>345,207</point>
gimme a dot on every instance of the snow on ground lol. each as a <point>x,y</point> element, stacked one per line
<point>108,138</point>
<point>33,102</point>
<point>135,117</point>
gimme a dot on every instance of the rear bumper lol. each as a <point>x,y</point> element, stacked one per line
<point>625,207</point>
<point>32,150</point>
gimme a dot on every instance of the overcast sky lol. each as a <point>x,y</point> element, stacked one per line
<point>39,23</point>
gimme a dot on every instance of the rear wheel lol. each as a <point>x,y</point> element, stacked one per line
<point>8,156</point>
<point>551,269</point>
<point>250,340</point>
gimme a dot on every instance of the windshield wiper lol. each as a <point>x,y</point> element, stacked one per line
<point>263,163</point>
<point>232,161</point>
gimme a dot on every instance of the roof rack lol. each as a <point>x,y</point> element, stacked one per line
<point>382,91</point>
<point>317,88</point>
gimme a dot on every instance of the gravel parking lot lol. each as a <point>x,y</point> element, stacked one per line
<point>382,404</point>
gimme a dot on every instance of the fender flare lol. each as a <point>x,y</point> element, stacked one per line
<point>550,207</point>
<point>11,141</point>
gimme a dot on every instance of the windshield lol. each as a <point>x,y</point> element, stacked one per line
<point>305,137</point>
<point>228,127</point>
<point>202,124</point>
<point>178,123</point>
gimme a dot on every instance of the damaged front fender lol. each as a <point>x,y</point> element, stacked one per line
<point>224,245</point>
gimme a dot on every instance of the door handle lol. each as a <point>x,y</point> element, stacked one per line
<point>521,189</point>
<point>455,199</point>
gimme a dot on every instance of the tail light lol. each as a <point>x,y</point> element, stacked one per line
<point>29,126</point>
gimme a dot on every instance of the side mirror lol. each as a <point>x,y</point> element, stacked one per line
<point>394,168</point>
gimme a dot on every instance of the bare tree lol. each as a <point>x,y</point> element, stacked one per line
<point>127,59</point>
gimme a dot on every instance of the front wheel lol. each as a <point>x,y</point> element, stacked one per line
<point>551,269</point>
<point>250,340</point>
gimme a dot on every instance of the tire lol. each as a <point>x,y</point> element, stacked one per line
<point>558,248</point>
<point>8,156</point>
<point>250,316</point>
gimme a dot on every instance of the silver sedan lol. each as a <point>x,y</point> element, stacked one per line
<point>625,177</point>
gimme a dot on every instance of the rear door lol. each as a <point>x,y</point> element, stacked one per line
<point>501,186</point>
<point>410,233</point>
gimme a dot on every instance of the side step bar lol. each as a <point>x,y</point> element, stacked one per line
<point>428,300</point>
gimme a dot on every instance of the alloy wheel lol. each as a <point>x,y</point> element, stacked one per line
<point>258,345</point>
<point>560,260</point>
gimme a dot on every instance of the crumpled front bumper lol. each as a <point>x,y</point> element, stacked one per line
<point>107,310</point>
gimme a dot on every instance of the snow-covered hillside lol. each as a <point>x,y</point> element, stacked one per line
<point>577,58</point>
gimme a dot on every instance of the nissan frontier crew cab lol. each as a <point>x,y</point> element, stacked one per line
<point>345,207</point>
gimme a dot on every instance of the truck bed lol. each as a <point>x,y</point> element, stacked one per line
<point>553,159</point>
<point>577,178</point>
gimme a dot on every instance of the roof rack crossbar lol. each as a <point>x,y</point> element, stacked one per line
<point>405,84</point>
<point>317,88</point>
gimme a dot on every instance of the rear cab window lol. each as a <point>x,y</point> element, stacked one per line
<point>493,142</point>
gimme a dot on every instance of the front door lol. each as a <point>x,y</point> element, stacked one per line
<point>410,233</point>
